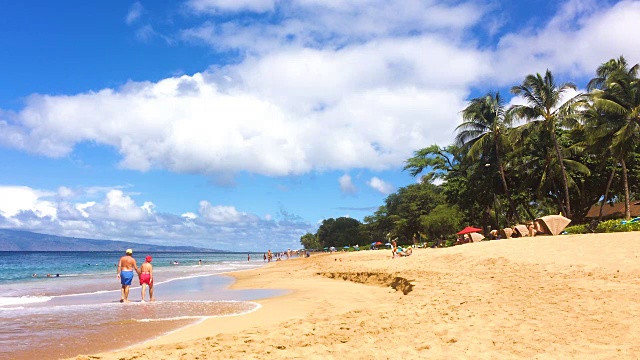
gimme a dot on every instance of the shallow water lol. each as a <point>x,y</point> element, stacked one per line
<point>58,317</point>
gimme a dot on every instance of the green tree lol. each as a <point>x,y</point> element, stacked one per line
<point>408,204</point>
<point>485,133</point>
<point>440,162</point>
<point>444,220</point>
<point>310,241</point>
<point>616,98</point>
<point>340,232</point>
<point>377,225</point>
<point>546,112</point>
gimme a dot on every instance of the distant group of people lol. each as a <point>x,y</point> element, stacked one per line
<point>268,256</point>
<point>126,266</point>
<point>48,275</point>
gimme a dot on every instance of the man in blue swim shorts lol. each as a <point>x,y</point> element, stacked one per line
<point>126,266</point>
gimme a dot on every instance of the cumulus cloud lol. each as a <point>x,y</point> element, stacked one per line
<point>222,214</point>
<point>346,185</point>
<point>580,37</point>
<point>117,216</point>
<point>380,186</point>
<point>190,216</point>
<point>394,83</point>
<point>258,123</point>
<point>15,199</point>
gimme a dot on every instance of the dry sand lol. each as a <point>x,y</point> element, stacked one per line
<point>573,296</point>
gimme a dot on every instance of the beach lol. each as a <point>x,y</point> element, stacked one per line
<point>569,296</point>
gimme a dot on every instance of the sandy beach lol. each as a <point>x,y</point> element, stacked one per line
<point>572,296</point>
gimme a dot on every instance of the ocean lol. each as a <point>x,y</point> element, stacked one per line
<point>60,304</point>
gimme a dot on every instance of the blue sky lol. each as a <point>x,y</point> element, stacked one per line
<point>242,124</point>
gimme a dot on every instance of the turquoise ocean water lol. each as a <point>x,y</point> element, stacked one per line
<point>60,304</point>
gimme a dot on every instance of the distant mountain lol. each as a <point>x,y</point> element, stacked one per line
<point>17,240</point>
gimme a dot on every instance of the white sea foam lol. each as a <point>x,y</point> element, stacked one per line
<point>21,300</point>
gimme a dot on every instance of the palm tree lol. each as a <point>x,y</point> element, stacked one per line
<point>617,99</point>
<point>606,69</point>
<point>544,107</point>
<point>484,131</point>
<point>598,137</point>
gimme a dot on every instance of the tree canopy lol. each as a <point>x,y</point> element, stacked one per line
<point>571,153</point>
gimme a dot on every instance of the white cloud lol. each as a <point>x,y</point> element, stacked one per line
<point>298,107</point>
<point>117,217</point>
<point>81,208</point>
<point>135,12</point>
<point>438,181</point>
<point>580,37</point>
<point>393,82</point>
<point>380,185</point>
<point>346,185</point>
<point>275,118</point>
<point>14,199</point>
<point>329,24</point>
<point>120,207</point>
<point>189,216</point>
<point>65,192</point>
<point>214,6</point>
<point>223,214</point>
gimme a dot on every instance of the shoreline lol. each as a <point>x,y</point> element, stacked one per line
<point>570,296</point>
<point>67,325</point>
<point>294,304</point>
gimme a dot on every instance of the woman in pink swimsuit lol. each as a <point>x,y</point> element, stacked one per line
<point>146,277</point>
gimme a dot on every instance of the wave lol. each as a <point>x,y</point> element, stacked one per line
<point>22,300</point>
<point>256,306</point>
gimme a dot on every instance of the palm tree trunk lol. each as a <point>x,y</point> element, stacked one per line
<point>485,220</point>
<point>557,198</point>
<point>528,211</point>
<point>606,192</point>
<point>625,182</point>
<point>564,174</point>
<point>504,186</point>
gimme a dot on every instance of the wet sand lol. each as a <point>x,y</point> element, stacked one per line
<point>85,323</point>
<point>563,297</point>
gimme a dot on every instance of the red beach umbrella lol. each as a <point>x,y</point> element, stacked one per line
<point>378,243</point>
<point>468,229</point>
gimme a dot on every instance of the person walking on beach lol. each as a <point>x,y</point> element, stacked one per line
<point>126,266</point>
<point>146,277</point>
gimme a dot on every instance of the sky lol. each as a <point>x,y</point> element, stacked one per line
<point>243,124</point>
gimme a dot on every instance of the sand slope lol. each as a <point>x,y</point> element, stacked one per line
<point>532,298</point>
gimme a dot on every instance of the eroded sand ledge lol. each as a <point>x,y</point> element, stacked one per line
<point>572,296</point>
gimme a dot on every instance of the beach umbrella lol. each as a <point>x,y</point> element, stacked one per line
<point>378,243</point>
<point>555,223</point>
<point>476,237</point>
<point>346,247</point>
<point>388,244</point>
<point>467,230</point>
<point>373,243</point>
